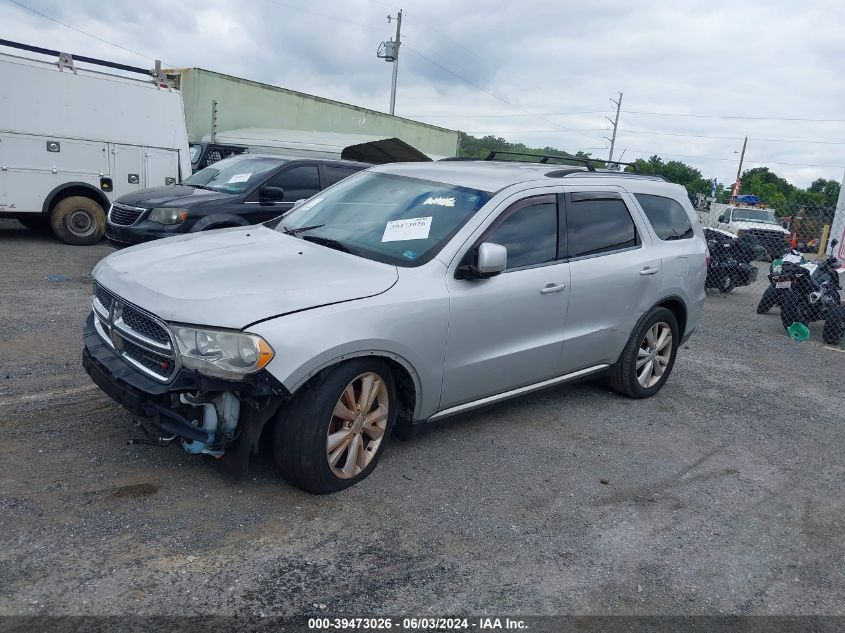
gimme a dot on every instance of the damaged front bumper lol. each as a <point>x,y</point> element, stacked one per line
<point>210,415</point>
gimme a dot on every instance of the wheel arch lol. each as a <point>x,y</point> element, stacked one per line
<point>678,307</point>
<point>408,384</point>
<point>69,189</point>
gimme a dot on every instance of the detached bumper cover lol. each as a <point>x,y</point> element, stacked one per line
<point>144,397</point>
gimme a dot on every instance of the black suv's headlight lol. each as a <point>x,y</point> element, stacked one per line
<point>165,215</point>
<point>222,353</point>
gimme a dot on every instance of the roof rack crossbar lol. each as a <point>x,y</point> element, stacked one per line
<point>588,162</point>
<point>78,58</point>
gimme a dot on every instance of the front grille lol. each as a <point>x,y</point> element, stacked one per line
<point>124,215</point>
<point>144,325</point>
<point>137,336</point>
<point>767,236</point>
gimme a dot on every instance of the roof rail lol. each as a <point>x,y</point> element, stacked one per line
<point>66,60</point>
<point>588,162</point>
<point>563,173</point>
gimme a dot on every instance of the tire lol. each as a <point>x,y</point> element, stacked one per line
<point>834,325</point>
<point>301,434</point>
<point>38,223</point>
<point>624,377</point>
<point>78,220</point>
<point>790,309</point>
<point>768,300</point>
<point>726,284</point>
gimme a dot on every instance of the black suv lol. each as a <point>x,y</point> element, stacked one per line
<point>237,191</point>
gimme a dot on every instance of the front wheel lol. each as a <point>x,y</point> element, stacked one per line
<point>648,357</point>
<point>791,309</point>
<point>333,432</point>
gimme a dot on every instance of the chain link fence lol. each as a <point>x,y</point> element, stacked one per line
<point>776,271</point>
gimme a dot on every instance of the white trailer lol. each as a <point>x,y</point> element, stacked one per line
<point>72,140</point>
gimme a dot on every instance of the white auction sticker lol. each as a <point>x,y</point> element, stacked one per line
<point>240,177</point>
<point>409,229</point>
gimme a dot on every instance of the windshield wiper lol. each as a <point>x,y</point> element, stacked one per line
<point>330,243</point>
<point>301,229</point>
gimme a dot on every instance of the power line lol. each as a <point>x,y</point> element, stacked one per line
<point>73,28</point>
<point>735,116</point>
<point>501,116</point>
<point>326,16</point>
<point>732,138</point>
<point>756,162</point>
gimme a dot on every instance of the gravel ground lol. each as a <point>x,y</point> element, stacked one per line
<point>723,494</point>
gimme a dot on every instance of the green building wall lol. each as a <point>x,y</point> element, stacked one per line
<point>248,104</point>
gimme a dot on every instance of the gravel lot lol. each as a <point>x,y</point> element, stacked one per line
<point>723,494</point>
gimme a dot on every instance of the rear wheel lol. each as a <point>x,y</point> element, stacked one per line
<point>834,325</point>
<point>648,357</point>
<point>78,220</point>
<point>333,433</point>
<point>790,309</point>
<point>768,300</point>
<point>726,283</point>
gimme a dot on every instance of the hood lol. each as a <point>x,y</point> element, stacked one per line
<point>233,277</point>
<point>171,196</point>
<point>777,228</point>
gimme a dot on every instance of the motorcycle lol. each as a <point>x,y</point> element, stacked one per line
<point>770,296</point>
<point>810,292</point>
<point>730,260</point>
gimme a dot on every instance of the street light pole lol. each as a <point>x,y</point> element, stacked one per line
<point>398,19</point>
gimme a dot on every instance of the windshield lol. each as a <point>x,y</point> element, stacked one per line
<point>196,151</point>
<point>754,215</point>
<point>233,175</point>
<point>393,219</point>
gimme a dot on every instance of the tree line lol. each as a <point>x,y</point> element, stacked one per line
<point>774,190</point>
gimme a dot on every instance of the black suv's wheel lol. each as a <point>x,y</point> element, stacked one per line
<point>768,300</point>
<point>648,357</point>
<point>834,325</point>
<point>78,220</point>
<point>333,432</point>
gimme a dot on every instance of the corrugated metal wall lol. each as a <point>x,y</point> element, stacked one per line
<point>242,104</point>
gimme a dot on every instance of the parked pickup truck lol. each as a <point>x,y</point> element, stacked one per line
<point>759,222</point>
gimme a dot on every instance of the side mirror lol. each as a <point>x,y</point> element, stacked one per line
<point>271,194</point>
<point>490,259</point>
<point>723,219</point>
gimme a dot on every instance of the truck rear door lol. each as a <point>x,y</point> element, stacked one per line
<point>161,167</point>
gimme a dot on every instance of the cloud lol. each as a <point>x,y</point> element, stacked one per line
<point>523,62</point>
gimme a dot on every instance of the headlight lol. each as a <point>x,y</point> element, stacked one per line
<point>222,353</point>
<point>168,216</point>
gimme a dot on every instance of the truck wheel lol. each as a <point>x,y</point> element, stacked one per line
<point>768,300</point>
<point>834,325</point>
<point>78,220</point>
<point>333,432</point>
<point>790,309</point>
<point>647,360</point>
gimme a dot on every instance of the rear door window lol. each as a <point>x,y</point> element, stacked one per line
<point>336,173</point>
<point>299,181</point>
<point>598,223</point>
<point>667,217</point>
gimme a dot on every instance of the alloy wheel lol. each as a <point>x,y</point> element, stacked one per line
<point>80,223</point>
<point>357,426</point>
<point>654,354</point>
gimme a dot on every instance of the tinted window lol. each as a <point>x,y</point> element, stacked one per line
<point>336,173</point>
<point>667,217</point>
<point>598,226</point>
<point>301,181</point>
<point>234,174</point>
<point>530,235</point>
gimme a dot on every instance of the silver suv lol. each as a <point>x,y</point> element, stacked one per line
<point>404,294</point>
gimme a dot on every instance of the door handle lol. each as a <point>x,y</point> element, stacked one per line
<point>648,270</point>
<point>550,288</point>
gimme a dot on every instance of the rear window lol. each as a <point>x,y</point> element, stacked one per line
<point>667,217</point>
<point>596,226</point>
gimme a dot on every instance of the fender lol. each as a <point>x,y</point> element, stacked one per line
<point>304,375</point>
<point>214,221</point>
<point>90,190</point>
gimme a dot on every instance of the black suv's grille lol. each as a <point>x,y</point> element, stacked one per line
<point>138,337</point>
<point>124,215</point>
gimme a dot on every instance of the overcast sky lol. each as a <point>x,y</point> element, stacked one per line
<point>511,68</point>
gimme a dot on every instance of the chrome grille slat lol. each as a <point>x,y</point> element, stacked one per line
<point>139,338</point>
<point>124,215</point>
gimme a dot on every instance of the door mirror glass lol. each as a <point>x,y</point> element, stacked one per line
<point>490,260</point>
<point>723,219</point>
<point>271,194</point>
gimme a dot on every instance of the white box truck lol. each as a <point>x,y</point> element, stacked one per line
<point>72,139</point>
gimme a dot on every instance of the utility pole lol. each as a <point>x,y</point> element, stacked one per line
<point>398,19</point>
<point>739,169</point>
<point>615,124</point>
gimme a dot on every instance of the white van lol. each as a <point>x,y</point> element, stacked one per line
<point>72,140</point>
